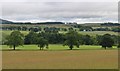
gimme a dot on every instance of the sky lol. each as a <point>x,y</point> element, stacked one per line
<point>60,11</point>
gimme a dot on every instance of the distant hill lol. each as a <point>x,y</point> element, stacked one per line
<point>5,22</point>
<point>10,22</point>
<point>2,21</point>
<point>50,23</point>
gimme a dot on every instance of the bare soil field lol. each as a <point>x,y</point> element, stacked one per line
<point>68,59</point>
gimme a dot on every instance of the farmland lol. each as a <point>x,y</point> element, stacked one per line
<point>59,56</point>
<point>73,59</point>
<point>59,35</point>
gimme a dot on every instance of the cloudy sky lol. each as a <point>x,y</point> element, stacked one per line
<point>68,11</point>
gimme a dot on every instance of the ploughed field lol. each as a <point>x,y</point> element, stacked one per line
<point>59,57</point>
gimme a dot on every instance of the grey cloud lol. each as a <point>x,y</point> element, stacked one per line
<point>59,0</point>
<point>60,11</point>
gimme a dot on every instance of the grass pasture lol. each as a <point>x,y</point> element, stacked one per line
<point>59,57</point>
<point>7,32</point>
<point>56,47</point>
<point>94,33</point>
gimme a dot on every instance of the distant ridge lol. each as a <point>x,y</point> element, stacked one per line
<point>5,22</point>
<point>2,21</point>
<point>10,22</point>
<point>50,23</point>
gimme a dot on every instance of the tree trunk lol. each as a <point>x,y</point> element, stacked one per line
<point>71,47</point>
<point>105,48</point>
<point>13,47</point>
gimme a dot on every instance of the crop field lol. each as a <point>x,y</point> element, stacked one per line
<point>59,57</point>
<point>71,59</point>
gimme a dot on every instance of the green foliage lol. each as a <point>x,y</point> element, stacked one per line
<point>107,41</point>
<point>31,38</point>
<point>72,39</point>
<point>102,29</point>
<point>118,45</point>
<point>53,38</point>
<point>41,42</point>
<point>116,29</point>
<point>85,28</point>
<point>15,39</point>
<point>118,39</point>
<point>98,39</point>
<point>87,40</point>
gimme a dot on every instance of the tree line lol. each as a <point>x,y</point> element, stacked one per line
<point>71,39</point>
<point>72,27</point>
<point>110,24</point>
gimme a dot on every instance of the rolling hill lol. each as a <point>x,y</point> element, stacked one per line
<point>5,22</point>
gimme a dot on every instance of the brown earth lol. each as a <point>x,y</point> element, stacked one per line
<point>70,59</point>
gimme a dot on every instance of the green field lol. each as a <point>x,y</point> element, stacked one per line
<point>8,32</point>
<point>56,47</point>
<point>92,33</point>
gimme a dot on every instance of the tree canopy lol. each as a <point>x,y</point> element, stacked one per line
<point>31,38</point>
<point>15,39</point>
<point>41,42</point>
<point>107,41</point>
<point>72,39</point>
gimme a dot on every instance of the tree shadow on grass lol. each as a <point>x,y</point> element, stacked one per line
<point>57,49</point>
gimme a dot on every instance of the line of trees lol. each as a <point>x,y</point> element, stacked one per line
<point>56,29</point>
<point>70,39</point>
<point>110,24</point>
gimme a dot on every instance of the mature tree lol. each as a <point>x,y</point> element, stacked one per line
<point>41,42</point>
<point>70,29</point>
<point>98,39</point>
<point>3,40</point>
<point>15,39</point>
<point>64,29</point>
<point>87,40</point>
<point>116,29</point>
<point>118,42</point>
<point>53,38</point>
<point>31,38</point>
<point>107,41</point>
<point>72,39</point>
<point>118,45</point>
<point>35,29</point>
<point>24,28</point>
